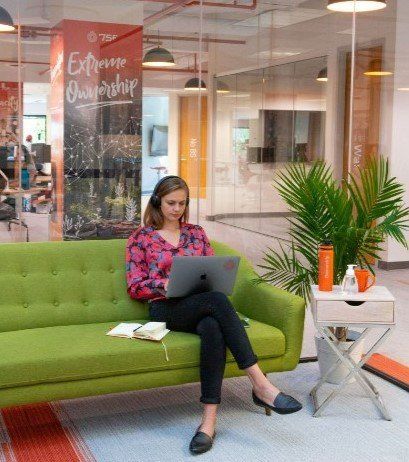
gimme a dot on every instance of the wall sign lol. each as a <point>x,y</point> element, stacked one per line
<point>96,81</point>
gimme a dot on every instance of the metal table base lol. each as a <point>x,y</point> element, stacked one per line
<point>355,369</point>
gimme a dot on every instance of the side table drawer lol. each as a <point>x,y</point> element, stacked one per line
<point>342,311</point>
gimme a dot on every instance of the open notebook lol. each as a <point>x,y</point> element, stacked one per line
<point>149,331</point>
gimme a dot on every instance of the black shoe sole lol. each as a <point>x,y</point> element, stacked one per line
<point>203,450</point>
<point>279,410</point>
<point>197,452</point>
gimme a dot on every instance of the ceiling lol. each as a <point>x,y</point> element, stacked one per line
<point>232,38</point>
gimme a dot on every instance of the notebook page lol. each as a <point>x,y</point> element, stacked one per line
<point>124,329</point>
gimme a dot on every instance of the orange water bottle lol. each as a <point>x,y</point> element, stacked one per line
<point>326,266</point>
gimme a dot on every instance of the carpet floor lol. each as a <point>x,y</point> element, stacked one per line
<point>157,425</point>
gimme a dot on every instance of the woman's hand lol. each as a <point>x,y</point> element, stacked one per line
<point>166,285</point>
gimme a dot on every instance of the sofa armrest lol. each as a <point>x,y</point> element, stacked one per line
<point>276,307</point>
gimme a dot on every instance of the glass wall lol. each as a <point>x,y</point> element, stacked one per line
<point>174,104</point>
<point>11,160</point>
<point>276,115</point>
<point>96,107</point>
<point>332,78</point>
<point>283,82</point>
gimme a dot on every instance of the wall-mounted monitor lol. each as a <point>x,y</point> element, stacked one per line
<point>159,141</point>
<point>290,136</point>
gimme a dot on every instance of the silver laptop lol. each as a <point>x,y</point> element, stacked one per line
<point>192,275</point>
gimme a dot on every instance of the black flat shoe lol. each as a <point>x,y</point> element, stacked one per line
<point>283,404</point>
<point>201,442</point>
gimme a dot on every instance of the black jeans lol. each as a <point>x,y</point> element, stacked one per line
<point>212,316</point>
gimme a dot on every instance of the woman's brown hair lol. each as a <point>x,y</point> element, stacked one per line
<point>153,214</point>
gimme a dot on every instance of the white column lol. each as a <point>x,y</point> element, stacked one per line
<point>399,148</point>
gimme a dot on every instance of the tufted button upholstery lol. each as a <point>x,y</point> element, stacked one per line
<point>86,302</point>
<point>55,272</point>
<point>25,305</point>
<point>24,274</point>
<point>56,303</point>
<point>40,287</point>
<point>84,271</point>
<point>114,301</point>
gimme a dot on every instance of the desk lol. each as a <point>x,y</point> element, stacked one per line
<point>370,310</point>
<point>18,194</point>
<point>43,179</point>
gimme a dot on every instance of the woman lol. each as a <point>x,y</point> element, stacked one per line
<point>149,254</point>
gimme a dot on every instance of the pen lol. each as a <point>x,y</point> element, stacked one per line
<point>137,328</point>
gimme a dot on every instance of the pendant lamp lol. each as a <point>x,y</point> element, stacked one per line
<point>158,57</point>
<point>322,75</point>
<point>222,87</point>
<point>375,69</point>
<point>194,84</point>
<point>6,22</point>
<point>359,6</point>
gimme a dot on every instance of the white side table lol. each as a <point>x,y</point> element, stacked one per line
<point>373,309</point>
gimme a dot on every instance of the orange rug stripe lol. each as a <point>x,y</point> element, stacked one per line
<point>36,435</point>
<point>7,453</point>
<point>389,367</point>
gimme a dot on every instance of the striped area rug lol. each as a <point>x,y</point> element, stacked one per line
<point>388,368</point>
<point>156,425</point>
<point>36,433</point>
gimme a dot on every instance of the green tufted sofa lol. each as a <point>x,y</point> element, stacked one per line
<point>58,299</point>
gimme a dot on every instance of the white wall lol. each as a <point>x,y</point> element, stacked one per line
<point>155,111</point>
<point>399,155</point>
<point>35,108</point>
<point>174,155</point>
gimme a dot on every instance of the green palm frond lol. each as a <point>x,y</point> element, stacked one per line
<point>395,223</point>
<point>374,192</point>
<point>356,215</point>
<point>305,192</point>
<point>284,270</point>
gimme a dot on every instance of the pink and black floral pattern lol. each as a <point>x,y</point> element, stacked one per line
<point>149,258</point>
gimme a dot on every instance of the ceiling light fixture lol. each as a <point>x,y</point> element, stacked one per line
<point>6,21</point>
<point>375,69</point>
<point>194,84</point>
<point>158,57</point>
<point>222,88</point>
<point>378,73</point>
<point>359,6</point>
<point>322,75</point>
<point>238,95</point>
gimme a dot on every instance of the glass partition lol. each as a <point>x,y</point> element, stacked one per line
<point>106,109</point>
<point>281,83</point>
<point>278,117</point>
<point>174,112</point>
<point>13,160</point>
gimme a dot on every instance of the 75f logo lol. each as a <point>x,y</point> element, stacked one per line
<point>107,37</point>
<point>92,37</point>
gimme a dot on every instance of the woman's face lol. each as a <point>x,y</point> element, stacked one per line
<point>173,205</point>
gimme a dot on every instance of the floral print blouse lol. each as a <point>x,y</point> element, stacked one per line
<point>149,258</point>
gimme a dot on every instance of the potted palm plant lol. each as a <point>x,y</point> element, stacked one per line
<point>357,214</point>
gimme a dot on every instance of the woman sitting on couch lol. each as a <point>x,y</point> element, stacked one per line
<point>149,254</point>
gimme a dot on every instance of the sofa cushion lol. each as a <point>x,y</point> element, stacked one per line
<point>44,284</point>
<point>75,352</point>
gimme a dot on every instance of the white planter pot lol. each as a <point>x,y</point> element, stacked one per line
<point>327,357</point>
